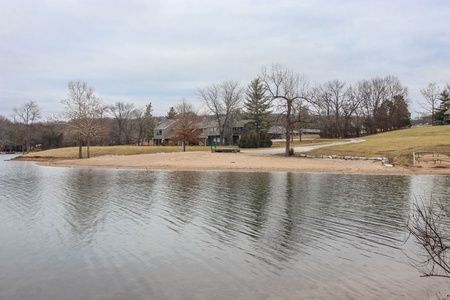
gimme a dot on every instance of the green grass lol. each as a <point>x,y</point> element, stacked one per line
<point>398,145</point>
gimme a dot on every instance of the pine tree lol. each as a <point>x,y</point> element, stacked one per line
<point>400,115</point>
<point>257,107</point>
<point>444,97</point>
<point>172,113</point>
<point>149,123</point>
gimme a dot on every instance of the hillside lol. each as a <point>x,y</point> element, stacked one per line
<point>398,145</point>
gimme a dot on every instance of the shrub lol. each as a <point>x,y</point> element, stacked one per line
<point>250,140</point>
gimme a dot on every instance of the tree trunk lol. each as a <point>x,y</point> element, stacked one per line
<point>80,148</point>
<point>221,136</point>
<point>29,139</point>
<point>288,143</point>
<point>88,143</point>
<point>288,128</point>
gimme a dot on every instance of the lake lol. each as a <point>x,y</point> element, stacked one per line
<point>72,233</point>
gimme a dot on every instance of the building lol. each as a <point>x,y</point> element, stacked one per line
<point>163,132</point>
<point>446,119</point>
<point>210,132</point>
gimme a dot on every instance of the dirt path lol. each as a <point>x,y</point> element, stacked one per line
<point>302,148</point>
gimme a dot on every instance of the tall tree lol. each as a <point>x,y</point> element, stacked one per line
<point>187,128</point>
<point>399,115</point>
<point>123,113</point>
<point>223,100</point>
<point>372,94</point>
<point>27,114</point>
<point>257,108</point>
<point>286,88</point>
<point>145,123</point>
<point>302,115</point>
<point>335,101</point>
<point>431,96</point>
<point>84,112</point>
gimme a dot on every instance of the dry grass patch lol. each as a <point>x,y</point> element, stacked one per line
<point>398,145</point>
<point>72,152</point>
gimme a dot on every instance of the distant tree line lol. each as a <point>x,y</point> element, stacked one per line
<point>278,96</point>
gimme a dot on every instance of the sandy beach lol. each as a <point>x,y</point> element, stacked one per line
<point>243,161</point>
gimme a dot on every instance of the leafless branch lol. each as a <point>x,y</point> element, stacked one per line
<point>429,226</point>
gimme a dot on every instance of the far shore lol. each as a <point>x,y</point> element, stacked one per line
<point>243,161</point>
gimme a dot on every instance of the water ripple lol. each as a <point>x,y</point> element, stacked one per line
<point>139,234</point>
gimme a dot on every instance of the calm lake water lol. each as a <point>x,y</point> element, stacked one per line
<point>69,233</point>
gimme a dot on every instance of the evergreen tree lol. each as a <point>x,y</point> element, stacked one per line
<point>444,98</point>
<point>400,115</point>
<point>257,108</point>
<point>172,113</point>
<point>149,122</point>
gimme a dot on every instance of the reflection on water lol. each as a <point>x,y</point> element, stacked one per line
<point>121,234</point>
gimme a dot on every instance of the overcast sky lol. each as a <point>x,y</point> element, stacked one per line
<point>162,51</point>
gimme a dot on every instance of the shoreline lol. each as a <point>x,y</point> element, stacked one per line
<point>238,162</point>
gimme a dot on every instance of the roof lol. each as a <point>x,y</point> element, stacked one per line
<point>166,124</point>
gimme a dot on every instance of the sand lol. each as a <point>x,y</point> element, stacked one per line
<point>243,161</point>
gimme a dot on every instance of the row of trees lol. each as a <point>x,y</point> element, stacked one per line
<point>338,109</point>
<point>277,96</point>
<point>86,122</point>
<point>86,119</point>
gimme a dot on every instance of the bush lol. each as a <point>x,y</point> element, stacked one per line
<point>250,140</point>
<point>265,140</point>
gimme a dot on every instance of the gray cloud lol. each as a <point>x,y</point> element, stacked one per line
<point>162,51</point>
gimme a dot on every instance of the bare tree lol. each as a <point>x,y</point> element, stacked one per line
<point>372,93</point>
<point>145,123</point>
<point>187,128</point>
<point>123,113</point>
<point>223,101</point>
<point>302,114</point>
<point>84,112</point>
<point>335,101</point>
<point>286,88</point>
<point>27,114</point>
<point>431,95</point>
<point>375,95</point>
<point>429,225</point>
